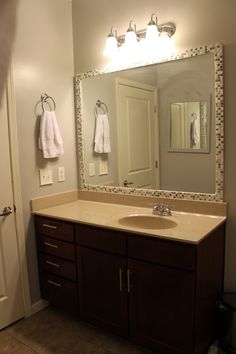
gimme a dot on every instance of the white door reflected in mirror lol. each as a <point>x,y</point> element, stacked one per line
<point>137,134</point>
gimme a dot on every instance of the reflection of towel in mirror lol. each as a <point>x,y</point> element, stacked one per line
<point>50,140</point>
<point>102,137</point>
<point>194,130</point>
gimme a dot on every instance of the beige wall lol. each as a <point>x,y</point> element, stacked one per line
<point>189,79</point>
<point>102,88</point>
<point>198,22</point>
<point>43,62</point>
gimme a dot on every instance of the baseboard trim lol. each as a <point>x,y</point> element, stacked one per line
<point>38,306</point>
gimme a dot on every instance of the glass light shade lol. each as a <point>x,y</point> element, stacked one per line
<point>130,40</point>
<point>111,47</point>
<point>152,33</point>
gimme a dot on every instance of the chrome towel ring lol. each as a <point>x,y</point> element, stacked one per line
<point>45,98</point>
<point>102,106</point>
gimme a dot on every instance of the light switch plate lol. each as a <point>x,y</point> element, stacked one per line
<point>61,174</point>
<point>91,169</point>
<point>45,176</point>
<point>103,168</point>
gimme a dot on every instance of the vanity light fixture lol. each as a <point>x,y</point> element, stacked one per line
<point>155,37</point>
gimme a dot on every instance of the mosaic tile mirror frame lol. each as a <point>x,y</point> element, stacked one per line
<point>217,196</point>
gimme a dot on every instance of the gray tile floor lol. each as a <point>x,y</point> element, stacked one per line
<point>51,331</point>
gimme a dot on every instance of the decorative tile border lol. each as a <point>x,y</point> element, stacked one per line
<point>217,51</point>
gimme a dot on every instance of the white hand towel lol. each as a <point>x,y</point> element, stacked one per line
<point>98,140</point>
<point>106,135</point>
<point>50,140</point>
<point>194,129</point>
<point>102,137</point>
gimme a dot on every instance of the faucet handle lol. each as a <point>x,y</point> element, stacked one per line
<point>158,209</point>
<point>162,209</point>
<point>167,210</point>
<point>157,206</point>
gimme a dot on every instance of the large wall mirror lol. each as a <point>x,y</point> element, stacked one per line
<point>154,129</point>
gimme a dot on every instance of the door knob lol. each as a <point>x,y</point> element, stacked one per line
<point>6,211</point>
<point>126,183</point>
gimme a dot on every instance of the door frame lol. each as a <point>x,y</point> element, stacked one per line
<point>17,195</point>
<point>153,89</point>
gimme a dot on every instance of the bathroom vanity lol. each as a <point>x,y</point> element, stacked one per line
<point>157,287</point>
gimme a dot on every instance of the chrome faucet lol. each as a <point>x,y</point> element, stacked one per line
<point>161,209</point>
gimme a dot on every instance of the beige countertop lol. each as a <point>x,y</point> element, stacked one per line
<point>189,227</point>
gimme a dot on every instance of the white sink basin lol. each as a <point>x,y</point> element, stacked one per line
<point>147,222</point>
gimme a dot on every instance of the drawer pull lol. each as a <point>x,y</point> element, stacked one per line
<point>53,264</point>
<point>54,283</point>
<point>120,279</point>
<point>50,226</point>
<point>50,244</point>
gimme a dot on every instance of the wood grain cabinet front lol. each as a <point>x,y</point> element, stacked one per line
<point>102,263</point>
<point>102,289</point>
<point>158,292</point>
<point>57,266</point>
<point>161,307</point>
<point>173,296</point>
<point>57,263</point>
<point>60,292</point>
<point>54,228</point>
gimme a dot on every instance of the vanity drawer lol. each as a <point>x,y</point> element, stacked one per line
<point>60,292</point>
<point>167,253</point>
<point>101,239</point>
<point>56,247</point>
<point>57,266</point>
<point>55,228</point>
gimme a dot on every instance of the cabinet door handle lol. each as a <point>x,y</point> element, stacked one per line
<point>50,226</point>
<point>128,280</point>
<point>53,264</point>
<point>120,279</point>
<point>50,244</point>
<point>54,283</point>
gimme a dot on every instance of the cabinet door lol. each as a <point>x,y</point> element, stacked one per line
<point>103,296</point>
<point>161,307</point>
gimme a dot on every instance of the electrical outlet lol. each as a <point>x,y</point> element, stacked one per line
<point>103,168</point>
<point>45,176</point>
<point>61,174</point>
<point>91,169</point>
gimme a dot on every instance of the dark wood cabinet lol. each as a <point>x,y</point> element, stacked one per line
<point>102,264</point>
<point>158,292</point>
<point>60,292</point>
<point>161,301</point>
<point>57,263</point>
<point>102,291</point>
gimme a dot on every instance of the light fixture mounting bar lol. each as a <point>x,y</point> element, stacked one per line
<point>168,28</point>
